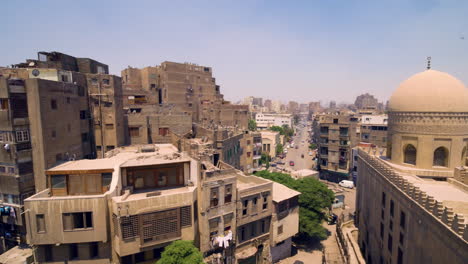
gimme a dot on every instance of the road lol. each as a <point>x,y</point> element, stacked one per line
<point>295,155</point>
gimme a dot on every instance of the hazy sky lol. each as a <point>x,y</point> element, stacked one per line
<point>286,50</point>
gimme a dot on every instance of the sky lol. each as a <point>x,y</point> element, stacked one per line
<point>283,50</point>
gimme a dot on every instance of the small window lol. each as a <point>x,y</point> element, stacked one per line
<point>390,243</point>
<point>163,131</point>
<point>391,225</point>
<point>153,86</point>
<point>109,126</point>
<point>40,223</point>
<point>94,81</point>
<point>402,220</point>
<point>94,249</point>
<point>383,199</point>
<point>22,136</point>
<point>105,81</point>
<point>228,193</point>
<point>11,170</point>
<point>265,202</point>
<point>84,137</point>
<point>244,208</point>
<point>83,114</point>
<point>4,104</point>
<point>68,100</point>
<point>73,251</point>
<point>2,169</point>
<point>107,104</point>
<point>392,208</point>
<point>134,131</point>
<point>280,229</point>
<point>73,221</point>
<point>382,230</point>
<point>402,238</point>
<point>106,181</point>
<point>214,199</point>
<point>53,104</point>
<point>64,78</point>
<point>53,134</point>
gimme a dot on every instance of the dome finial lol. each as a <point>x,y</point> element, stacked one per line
<point>428,63</point>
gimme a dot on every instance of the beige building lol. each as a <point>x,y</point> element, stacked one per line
<point>411,204</point>
<point>366,102</point>
<point>374,129</point>
<point>270,140</point>
<point>251,144</point>
<point>127,207</point>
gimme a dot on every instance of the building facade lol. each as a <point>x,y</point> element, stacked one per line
<point>411,203</point>
<point>267,120</point>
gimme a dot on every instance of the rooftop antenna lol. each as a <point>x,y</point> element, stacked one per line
<point>428,63</point>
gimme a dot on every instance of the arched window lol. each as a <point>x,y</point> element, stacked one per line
<point>410,154</point>
<point>440,157</point>
<point>464,160</point>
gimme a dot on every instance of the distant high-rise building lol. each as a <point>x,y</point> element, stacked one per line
<point>366,101</point>
<point>332,105</point>
<point>268,105</point>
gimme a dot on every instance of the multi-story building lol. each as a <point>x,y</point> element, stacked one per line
<point>46,104</point>
<point>335,135</point>
<point>366,102</point>
<point>411,203</point>
<point>251,144</point>
<point>268,105</point>
<point>374,129</point>
<point>293,107</point>
<point>127,207</point>
<point>270,139</point>
<point>267,120</point>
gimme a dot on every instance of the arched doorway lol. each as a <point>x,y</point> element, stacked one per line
<point>409,154</point>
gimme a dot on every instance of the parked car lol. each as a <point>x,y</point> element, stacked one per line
<point>346,184</point>
<point>291,163</point>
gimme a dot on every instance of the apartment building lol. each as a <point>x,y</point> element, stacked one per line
<point>374,129</point>
<point>335,135</point>
<point>251,143</point>
<point>267,120</point>
<point>366,102</point>
<point>127,207</point>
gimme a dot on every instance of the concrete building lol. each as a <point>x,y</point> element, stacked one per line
<point>251,144</point>
<point>335,135</point>
<point>411,202</point>
<point>293,107</point>
<point>127,207</point>
<point>374,129</point>
<point>268,105</point>
<point>267,120</point>
<point>366,102</point>
<point>270,140</point>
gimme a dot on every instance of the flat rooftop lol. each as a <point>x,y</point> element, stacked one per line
<point>281,192</point>
<point>246,182</point>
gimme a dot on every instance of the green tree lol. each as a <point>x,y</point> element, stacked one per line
<point>252,125</point>
<point>265,159</point>
<point>181,252</point>
<point>314,198</point>
<point>313,146</point>
<point>279,149</point>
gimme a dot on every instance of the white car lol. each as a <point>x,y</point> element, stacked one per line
<point>346,184</point>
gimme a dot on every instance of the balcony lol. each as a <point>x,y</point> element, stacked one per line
<point>54,209</point>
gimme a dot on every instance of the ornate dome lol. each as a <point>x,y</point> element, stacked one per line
<point>430,91</point>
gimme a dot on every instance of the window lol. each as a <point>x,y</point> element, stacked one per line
<point>390,243</point>
<point>134,131</point>
<point>402,220</point>
<point>153,86</point>
<point>58,184</point>
<point>53,104</point>
<point>214,197</point>
<point>400,256</point>
<point>383,199</point>
<point>53,134</point>
<point>390,225</point>
<point>110,147</point>
<point>105,81</point>
<point>265,202</point>
<point>440,157</point>
<point>68,100</point>
<point>84,137</point>
<point>106,181</point>
<point>402,238</point>
<point>73,251</point>
<point>40,223</point>
<point>410,154</point>
<point>94,249</point>
<point>48,253</point>
<point>248,154</point>
<point>4,104</point>
<point>82,220</point>
<point>11,170</point>
<point>94,81</point>
<point>83,114</point>
<point>282,206</point>
<point>109,126</point>
<point>2,169</point>
<point>163,131</point>
<point>242,234</point>
<point>335,121</point>
<point>392,208</point>
<point>22,136</point>
<point>253,230</point>
<point>244,207</point>
<point>64,78</point>
<point>382,230</point>
<point>280,229</point>
<point>228,193</point>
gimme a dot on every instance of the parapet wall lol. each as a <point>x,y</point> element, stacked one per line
<point>454,222</point>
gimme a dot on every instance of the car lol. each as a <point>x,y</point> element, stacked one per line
<point>280,162</point>
<point>346,184</point>
<point>291,163</point>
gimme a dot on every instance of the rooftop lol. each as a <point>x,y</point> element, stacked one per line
<point>281,192</point>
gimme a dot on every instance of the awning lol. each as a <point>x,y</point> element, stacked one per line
<point>246,252</point>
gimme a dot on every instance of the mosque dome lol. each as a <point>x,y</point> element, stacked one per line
<point>430,91</point>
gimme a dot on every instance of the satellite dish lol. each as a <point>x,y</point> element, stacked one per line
<point>35,72</point>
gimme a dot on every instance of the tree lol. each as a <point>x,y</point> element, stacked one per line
<point>252,125</point>
<point>181,252</point>
<point>279,149</point>
<point>314,198</point>
<point>284,130</point>
<point>265,159</point>
<point>313,146</point>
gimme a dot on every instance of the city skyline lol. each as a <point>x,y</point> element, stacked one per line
<point>314,51</point>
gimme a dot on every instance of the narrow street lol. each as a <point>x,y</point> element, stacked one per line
<point>313,253</point>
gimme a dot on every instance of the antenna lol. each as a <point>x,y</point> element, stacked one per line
<point>428,63</point>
